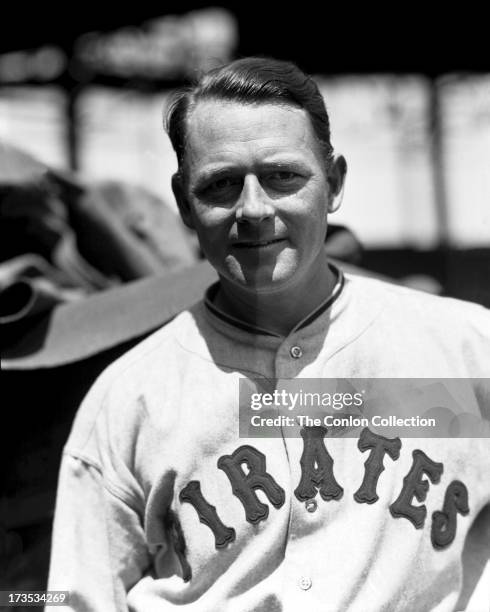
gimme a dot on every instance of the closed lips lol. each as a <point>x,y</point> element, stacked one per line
<point>254,243</point>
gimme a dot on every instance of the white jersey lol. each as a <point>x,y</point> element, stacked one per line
<point>162,506</point>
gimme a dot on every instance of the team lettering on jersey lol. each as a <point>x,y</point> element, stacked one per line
<point>317,476</point>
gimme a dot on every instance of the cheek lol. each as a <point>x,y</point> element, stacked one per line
<point>212,227</point>
<point>308,223</point>
<point>308,213</point>
<point>317,196</point>
<point>209,218</point>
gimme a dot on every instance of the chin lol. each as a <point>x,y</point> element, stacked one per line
<point>271,275</point>
<point>262,280</point>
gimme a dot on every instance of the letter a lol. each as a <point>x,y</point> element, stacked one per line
<point>320,477</point>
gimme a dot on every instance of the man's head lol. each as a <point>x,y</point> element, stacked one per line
<point>256,172</point>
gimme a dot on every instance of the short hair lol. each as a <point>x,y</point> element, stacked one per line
<point>251,80</point>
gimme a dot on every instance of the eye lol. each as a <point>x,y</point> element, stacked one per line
<point>222,189</point>
<point>284,181</point>
<point>223,183</point>
<point>282,175</point>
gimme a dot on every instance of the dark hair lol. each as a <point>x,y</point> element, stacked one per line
<point>248,81</point>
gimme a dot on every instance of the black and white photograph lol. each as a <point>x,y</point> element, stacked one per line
<point>245,309</point>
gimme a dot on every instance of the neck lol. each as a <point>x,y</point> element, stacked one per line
<point>278,310</point>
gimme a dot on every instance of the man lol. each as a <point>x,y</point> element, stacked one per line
<point>162,505</point>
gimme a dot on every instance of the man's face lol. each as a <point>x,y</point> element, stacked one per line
<point>255,189</point>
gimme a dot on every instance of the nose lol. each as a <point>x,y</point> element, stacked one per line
<point>253,205</point>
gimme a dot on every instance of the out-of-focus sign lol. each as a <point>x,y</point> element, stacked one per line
<point>170,47</point>
<point>167,48</point>
<point>37,65</point>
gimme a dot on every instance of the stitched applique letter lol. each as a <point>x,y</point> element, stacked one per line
<point>244,485</point>
<point>443,529</point>
<point>207,514</point>
<point>379,446</point>
<point>316,468</point>
<point>414,485</point>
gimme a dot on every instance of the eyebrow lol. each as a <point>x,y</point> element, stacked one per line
<point>218,170</point>
<point>214,172</point>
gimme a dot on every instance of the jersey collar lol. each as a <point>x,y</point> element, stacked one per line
<point>253,329</point>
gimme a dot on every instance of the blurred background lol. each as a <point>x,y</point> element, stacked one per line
<point>410,107</point>
<point>83,94</point>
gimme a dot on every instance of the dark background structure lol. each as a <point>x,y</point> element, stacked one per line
<point>331,37</point>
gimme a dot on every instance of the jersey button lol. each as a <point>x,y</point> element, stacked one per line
<point>311,505</point>
<point>304,583</point>
<point>296,352</point>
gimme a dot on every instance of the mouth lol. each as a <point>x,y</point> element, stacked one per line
<point>257,243</point>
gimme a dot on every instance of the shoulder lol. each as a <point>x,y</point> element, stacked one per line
<point>404,314</point>
<point>414,334</point>
<point>114,404</point>
<point>405,301</point>
<point>159,349</point>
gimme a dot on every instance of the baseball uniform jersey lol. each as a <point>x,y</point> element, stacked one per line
<point>163,506</point>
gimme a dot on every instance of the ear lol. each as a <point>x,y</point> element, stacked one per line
<point>336,181</point>
<point>181,199</point>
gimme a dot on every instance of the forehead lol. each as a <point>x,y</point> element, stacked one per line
<point>223,131</point>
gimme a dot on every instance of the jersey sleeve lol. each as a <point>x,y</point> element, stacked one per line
<point>98,545</point>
